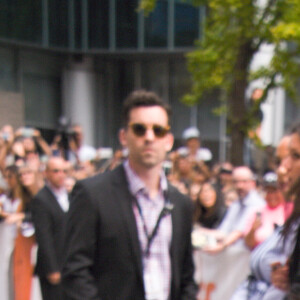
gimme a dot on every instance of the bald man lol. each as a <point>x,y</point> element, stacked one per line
<point>49,210</point>
<point>248,201</point>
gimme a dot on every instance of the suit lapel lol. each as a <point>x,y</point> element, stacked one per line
<point>53,200</point>
<point>124,200</point>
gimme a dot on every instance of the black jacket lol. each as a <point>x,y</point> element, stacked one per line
<point>49,221</point>
<point>102,251</point>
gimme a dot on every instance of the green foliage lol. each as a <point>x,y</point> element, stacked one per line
<point>230,26</point>
<point>147,5</point>
<point>234,31</point>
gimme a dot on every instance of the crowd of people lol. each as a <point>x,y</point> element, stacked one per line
<point>49,229</point>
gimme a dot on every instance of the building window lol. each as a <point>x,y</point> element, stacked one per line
<point>186,24</point>
<point>8,76</point>
<point>58,23</point>
<point>21,20</point>
<point>126,23</point>
<point>98,13</point>
<point>78,24</point>
<point>156,26</point>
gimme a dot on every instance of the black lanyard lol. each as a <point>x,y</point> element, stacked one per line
<point>166,210</point>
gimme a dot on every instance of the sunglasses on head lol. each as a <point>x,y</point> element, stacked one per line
<point>140,129</point>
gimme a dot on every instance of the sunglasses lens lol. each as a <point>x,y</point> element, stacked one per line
<point>139,129</point>
<point>159,131</point>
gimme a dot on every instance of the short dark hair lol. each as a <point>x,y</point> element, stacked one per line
<point>140,98</point>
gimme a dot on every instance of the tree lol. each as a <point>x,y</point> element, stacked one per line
<point>234,31</point>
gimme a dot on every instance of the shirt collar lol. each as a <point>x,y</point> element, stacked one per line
<point>56,191</point>
<point>136,185</point>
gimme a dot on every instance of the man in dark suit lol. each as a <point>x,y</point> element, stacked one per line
<point>49,209</point>
<point>128,231</point>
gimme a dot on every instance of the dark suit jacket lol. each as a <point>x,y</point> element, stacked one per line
<point>49,221</point>
<point>102,251</point>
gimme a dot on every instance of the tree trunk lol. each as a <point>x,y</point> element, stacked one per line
<point>236,120</point>
<point>237,105</point>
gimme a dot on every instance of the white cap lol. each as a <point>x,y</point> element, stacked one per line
<point>270,179</point>
<point>191,132</point>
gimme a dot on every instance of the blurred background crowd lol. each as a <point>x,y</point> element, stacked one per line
<point>220,220</point>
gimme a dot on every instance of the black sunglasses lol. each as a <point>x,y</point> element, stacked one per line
<point>140,129</point>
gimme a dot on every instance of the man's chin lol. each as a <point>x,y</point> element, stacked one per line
<point>149,163</point>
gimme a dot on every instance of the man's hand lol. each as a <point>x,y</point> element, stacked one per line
<point>54,278</point>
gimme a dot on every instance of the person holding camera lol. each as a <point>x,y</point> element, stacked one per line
<point>23,145</point>
<point>33,141</point>
<point>80,152</point>
<point>68,143</point>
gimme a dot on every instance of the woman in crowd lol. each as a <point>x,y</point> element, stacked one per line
<point>9,203</point>
<point>271,258</point>
<point>181,173</point>
<point>25,240</point>
<point>209,211</point>
<point>10,200</point>
<point>200,173</point>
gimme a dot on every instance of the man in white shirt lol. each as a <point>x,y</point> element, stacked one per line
<point>49,208</point>
<point>233,225</point>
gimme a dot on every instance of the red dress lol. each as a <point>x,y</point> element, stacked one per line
<point>23,268</point>
<point>22,264</point>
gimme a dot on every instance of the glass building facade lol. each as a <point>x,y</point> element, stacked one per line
<point>42,40</point>
<point>103,25</point>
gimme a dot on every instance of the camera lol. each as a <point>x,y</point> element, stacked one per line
<point>64,131</point>
<point>72,134</point>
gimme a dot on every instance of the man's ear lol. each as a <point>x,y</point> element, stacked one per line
<point>122,137</point>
